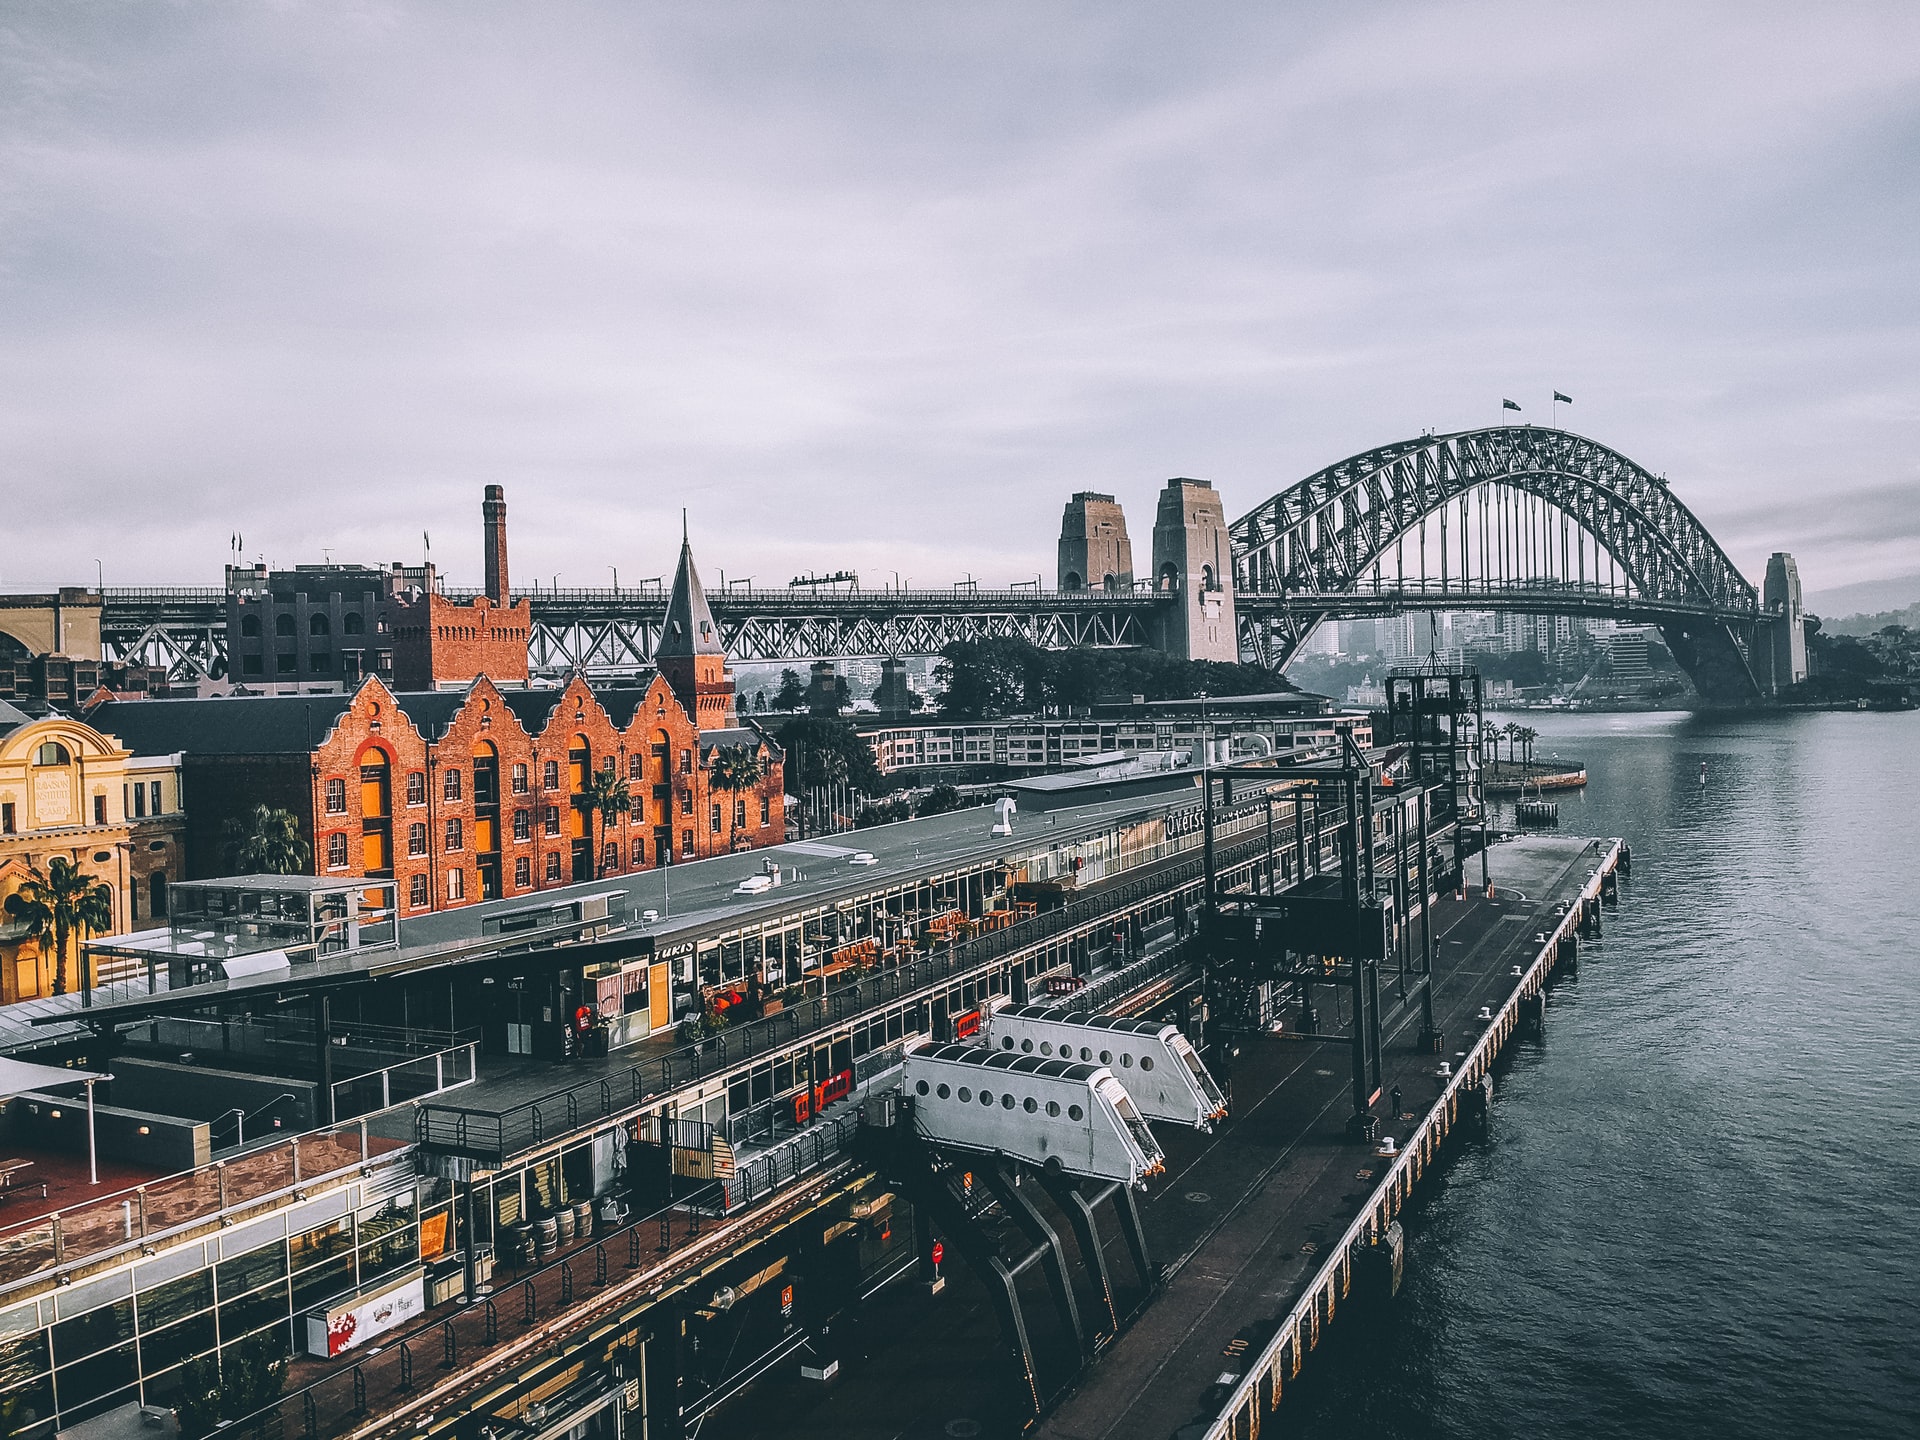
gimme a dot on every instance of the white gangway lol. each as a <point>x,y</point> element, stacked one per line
<point>1151,1058</point>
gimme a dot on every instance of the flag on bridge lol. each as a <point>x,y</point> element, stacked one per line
<point>1508,405</point>
<point>1562,399</point>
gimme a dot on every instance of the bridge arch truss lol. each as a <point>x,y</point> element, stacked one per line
<point>1318,548</point>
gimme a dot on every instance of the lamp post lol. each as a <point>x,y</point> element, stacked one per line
<point>93,1149</point>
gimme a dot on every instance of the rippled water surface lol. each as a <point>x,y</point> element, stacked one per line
<point>1697,1212</point>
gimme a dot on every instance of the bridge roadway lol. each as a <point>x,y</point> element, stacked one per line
<point>1240,1221</point>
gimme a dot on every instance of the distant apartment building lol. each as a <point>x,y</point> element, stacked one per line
<point>1019,747</point>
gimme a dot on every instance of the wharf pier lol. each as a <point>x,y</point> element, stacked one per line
<point>1250,1293</point>
<point>1259,1229</point>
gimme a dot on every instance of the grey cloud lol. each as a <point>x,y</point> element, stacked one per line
<point>879,285</point>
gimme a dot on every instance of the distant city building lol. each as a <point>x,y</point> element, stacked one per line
<point>1627,651</point>
<point>70,789</point>
<point>1292,723</point>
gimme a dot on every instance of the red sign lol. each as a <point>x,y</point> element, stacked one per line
<point>966,1024</point>
<point>939,1252</point>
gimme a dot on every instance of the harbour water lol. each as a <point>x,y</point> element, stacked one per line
<point>1698,1210</point>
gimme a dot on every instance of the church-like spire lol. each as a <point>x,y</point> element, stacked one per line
<point>689,627</point>
<point>690,655</point>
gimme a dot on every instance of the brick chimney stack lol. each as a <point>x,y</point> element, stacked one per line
<point>495,510</point>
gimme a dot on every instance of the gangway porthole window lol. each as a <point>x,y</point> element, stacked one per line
<point>1053,1109</point>
<point>943,1092</point>
<point>1074,1112</point>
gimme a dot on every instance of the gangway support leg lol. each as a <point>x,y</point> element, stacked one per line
<point>1086,1229</point>
<point>1024,1213</point>
<point>919,1170</point>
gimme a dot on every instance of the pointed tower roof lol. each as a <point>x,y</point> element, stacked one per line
<point>689,627</point>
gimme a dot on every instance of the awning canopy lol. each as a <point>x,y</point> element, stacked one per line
<point>17,1077</point>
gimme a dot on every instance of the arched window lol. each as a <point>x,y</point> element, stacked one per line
<point>1070,580</point>
<point>250,625</point>
<point>1206,578</point>
<point>283,625</point>
<point>353,624</point>
<point>319,625</point>
<point>1169,576</point>
<point>52,753</point>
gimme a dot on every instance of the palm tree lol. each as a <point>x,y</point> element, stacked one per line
<point>63,902</point>
<point>1512,731</point>
<point>1527,736</point>
<point>737,768</point>
<point>266,841</point>
<point>607,796</point>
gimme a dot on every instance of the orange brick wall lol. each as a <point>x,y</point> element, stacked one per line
<point>437,642</point>
<point>373,722</point>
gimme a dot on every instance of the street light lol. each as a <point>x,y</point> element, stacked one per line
<point>93,1149</point>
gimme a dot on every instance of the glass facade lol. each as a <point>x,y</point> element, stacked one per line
<point>91,1347</point>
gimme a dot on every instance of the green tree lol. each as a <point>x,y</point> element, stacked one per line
<point>988,679</point>
<point>1527,736</point>
<point>607,797</point>
<point>940,800</point>
<point>736,769</point>
<point>792,693</point>
<point>266,841</point>
<point>229,1385</point>
<point>820,751</point>
<point>63,902</point>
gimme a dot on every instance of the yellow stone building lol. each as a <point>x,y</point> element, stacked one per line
<point>68,790</point>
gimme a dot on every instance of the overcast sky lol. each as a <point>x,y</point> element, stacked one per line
<point>878,286</point>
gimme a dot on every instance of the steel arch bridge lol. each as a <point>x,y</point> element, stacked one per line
<point>1512,518</point>
<point>1512,509</point>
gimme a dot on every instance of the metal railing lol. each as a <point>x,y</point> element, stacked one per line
<point>409,1080</point>
<point>97,1228</point>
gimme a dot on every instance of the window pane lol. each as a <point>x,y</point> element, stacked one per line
<point>319,1244</point>
<point>81,1336</point>
<point>176,1299</point>
<point>252,1270</point>
<point>263,1307</point>
<point>90,1379</point>
<point>161,1348</point>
